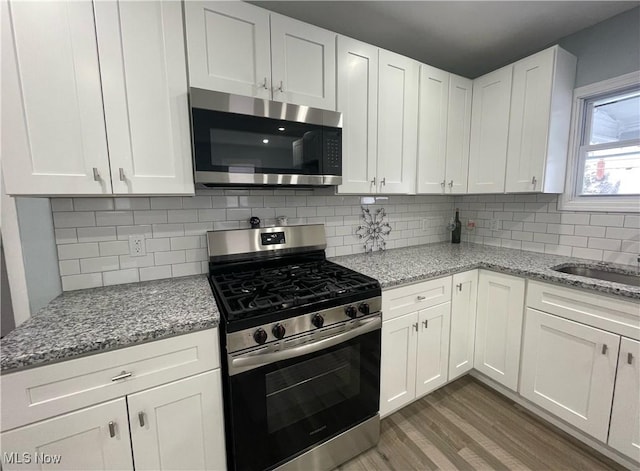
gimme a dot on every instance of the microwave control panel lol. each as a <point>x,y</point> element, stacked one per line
<point>332,153</point>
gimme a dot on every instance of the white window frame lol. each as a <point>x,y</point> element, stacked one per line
<point>569,200</point>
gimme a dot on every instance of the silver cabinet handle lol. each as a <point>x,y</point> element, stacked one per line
<point>425,323</point>
<point>459,286</point>
<point>141,418</point>
<point>373,182</point>
<point>604,348</point>
<point>630,358</point>
<point>112,429</point>
<point>443,183</point>
<point>280,88</point>
<point>534,181</point>
<point>264,84</point>
<point>421,298</point>
<point>415,326</point>
<point>122,176</point>
<point>96,174</point>
<point>383,182</point>
<point>122,375</point>
<point>451,184</point>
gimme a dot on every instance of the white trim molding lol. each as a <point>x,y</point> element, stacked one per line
<point>569,201</point>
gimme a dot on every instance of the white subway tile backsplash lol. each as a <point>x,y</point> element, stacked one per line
<point>565,229</point>
<point>191,242</point>
<point>632,246</point>
<point>96,234</point>
<point>158,245</point>
<point>609,220</point>
<point>622,233</point>
<point>205,215</point>
<point>155,273</point>
<point>196,255</point>
<point>185,269</point>
<point>196,202</point>
<point>119,277</point>
<point>69,267</point>
<point>604,244</point>
<point>224,202</point>
<point>168,230</point>
<point>93,204</point>
<point>118,247</point>
<point>66,236</point>
<point>71,219</point>
<point>98,264</point>
<point>61,204</point>
<point>150,217</point>
<point>237,214</point>
<point>571,218</point>
<point>114,218</point>
<point>68,251</point>
<point>166,202</point>
<point>591,254</point>
<point>73,282</point>
<point>590,231</point>
<point>168,258</point>
<point>132,204</point>
<point>182,215</point>
<point>127,261</point>
<point>632,221</point>
<point>573,241</point>
<point>197,228</point>
<point>125,231</point>
<point>546,238</point>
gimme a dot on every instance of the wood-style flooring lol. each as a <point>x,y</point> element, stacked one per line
<point>466,425</point>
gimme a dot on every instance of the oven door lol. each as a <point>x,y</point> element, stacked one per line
<point>284,408</point>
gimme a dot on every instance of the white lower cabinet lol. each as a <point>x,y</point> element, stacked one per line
<point>499,327</point>
<point>569,369</point>
<point>415,356</point>
<point>179,425</point>
<point>624,433</point>
<point>463,322</point>
<point>94,438</point>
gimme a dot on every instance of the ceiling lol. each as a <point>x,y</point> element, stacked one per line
<point>468,38</point>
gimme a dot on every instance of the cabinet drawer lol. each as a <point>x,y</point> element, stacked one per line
<point>46,391</point>
<point>614,315</point>
<point>399,301</point>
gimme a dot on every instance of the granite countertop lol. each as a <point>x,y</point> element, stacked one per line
<point>412,264</point>
<point>98,319</point>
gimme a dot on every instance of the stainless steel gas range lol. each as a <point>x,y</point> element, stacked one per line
<point>300,341</point>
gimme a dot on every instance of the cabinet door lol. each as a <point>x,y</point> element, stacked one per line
<point>458,134</point>
<point>397,123</point>
<point>463,322</point>
<point>83,440</point>
<point>624,434</point>
<point>303,61</point>
<point>179,425</point>
<point>432,129</point>
<point>433,348</point>
<point>229,49</point>
<point>529,122</point>
<point>489,131</point>
<point>143,66</point>
<point>53,138</point>
<point>569,369</point>
<point>398,363</point>
<point>499,327</point>
<point>358,102</point>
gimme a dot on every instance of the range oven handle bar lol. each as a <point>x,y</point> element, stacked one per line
<point>256,360</point>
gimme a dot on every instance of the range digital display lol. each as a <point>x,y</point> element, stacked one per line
<point>272,238</point>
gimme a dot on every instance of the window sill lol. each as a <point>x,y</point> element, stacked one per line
<point>609,204</point>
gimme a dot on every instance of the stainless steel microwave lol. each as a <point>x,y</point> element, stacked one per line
<point>241,141</point>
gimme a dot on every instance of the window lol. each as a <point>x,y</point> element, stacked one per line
<point>604,156</point>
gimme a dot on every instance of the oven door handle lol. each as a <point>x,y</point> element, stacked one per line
<point>256,360</point>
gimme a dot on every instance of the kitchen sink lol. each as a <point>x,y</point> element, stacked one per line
<point>600,274</point>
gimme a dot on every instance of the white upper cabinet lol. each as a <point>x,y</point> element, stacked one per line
<point>397,123</point>
<point>143,65</point>
<point>303,63</point>
<point>229,47</point>
<point>490,131</point>
<point>458,134</point>
<point>443,132</point>
<point>358,102</point>
<point>539,121</point>
<point>624,433</point>
<point>53,139</point>
<point>432,129</point>
<point>239,48</point>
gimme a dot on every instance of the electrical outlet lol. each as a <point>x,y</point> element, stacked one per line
<point>137,245</point>
<point>493,224</point>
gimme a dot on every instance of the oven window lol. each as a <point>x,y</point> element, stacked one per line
<point>304,389</point>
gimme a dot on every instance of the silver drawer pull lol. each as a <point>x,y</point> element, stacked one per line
<point>123,177</point>
<point>96,174</point>
<point>425,323</point>
<point>415,326</point>
<point>459,286</point>
<point>630,358</point>
<point>421,298</point>
<point>112,429</point>
<point>604,348</point>
<point>121,376</point>
<point>141,418</point>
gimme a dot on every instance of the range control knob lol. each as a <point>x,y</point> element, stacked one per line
<point>364,308</point>
<point>351,311</point>
<point>317,320</point>
<point>278,331</point>
<point>260,336</point>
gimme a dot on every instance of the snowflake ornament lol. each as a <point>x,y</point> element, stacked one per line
<point>374,229</point>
